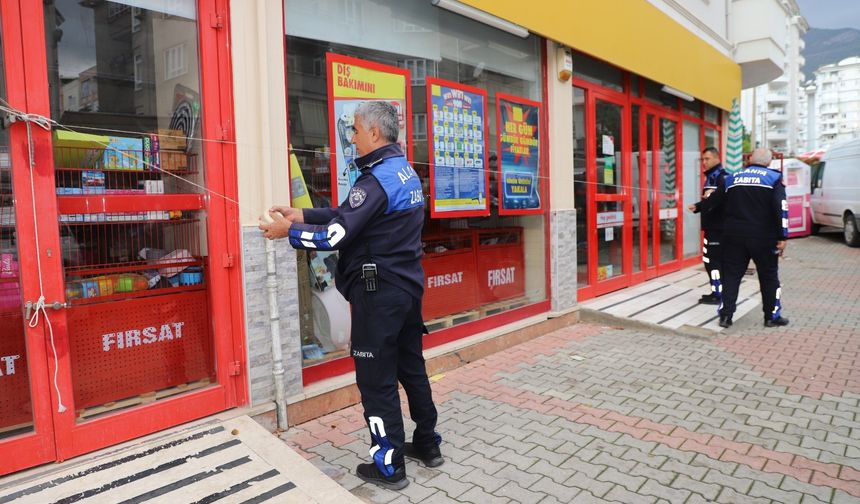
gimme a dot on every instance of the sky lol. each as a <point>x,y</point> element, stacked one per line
<point>831,13</point>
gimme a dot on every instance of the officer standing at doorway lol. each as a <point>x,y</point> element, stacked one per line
<point>755,227</point>
<point>377,230</point>
<point>712,225</point>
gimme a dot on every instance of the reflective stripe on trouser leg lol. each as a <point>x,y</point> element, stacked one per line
<point>381,451</point>
<point>777,305</point>
<point>716,286</point>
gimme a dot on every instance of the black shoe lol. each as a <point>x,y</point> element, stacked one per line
<point>777,322</point>
<point>370,473</point>
<point>725,321</point>
<point>430,457</point>
<point>710,299</point>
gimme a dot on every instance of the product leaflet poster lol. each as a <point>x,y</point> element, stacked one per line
<point>457,136</point>
<point>352,81</point>
<point>519,155</point>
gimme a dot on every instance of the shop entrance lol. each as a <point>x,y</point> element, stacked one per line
<point>105,216</point>
<point>627,174</point>
<point>656,212</point>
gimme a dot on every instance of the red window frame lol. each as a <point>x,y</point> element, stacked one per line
<point>629,99</point>
<point>343,365</point>
<point>58,436</point>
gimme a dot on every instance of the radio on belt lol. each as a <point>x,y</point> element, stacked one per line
<point>368,273</point>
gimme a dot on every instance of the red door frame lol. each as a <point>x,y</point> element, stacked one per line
<point>38,446</point>
<point>622,280</point>
<point>225,274</point>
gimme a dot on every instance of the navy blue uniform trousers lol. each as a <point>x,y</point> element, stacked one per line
<point>737,252</point>
<point>386,344</point>
<point>712,256</point>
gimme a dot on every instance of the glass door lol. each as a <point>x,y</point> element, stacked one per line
<point>610,168</point>
<point>26,430</point>
<point>666,186</point>
<point>143,341</point>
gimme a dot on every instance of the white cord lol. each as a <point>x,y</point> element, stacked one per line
<point>44,123</point>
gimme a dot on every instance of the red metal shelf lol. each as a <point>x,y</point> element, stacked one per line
<point>104,203</point>
<point>136,294</point>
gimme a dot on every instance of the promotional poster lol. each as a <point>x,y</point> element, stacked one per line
<point>519,155</point>
<point>352,81</point>
<point>457,134</point>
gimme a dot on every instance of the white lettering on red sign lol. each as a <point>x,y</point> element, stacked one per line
<point>446,279</point>
<point>137,337</point>
<point>501,276</point>
<point>8,367</point>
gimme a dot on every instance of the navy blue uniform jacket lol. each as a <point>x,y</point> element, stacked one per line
<point>753,203</point>
<point>712,220</point>
<point>380,221</point>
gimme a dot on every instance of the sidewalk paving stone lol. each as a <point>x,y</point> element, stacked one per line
<point>746,415</point>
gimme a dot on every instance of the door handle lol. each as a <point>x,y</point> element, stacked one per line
<point>29,305</point>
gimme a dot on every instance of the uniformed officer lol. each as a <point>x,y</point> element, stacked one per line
<point>712,225</point>
<point>755,227</point>
<point>378,232</point>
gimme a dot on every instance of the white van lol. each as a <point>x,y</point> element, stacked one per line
<point>836,191</point>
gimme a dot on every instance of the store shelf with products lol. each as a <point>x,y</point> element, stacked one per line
<point>131,218</point>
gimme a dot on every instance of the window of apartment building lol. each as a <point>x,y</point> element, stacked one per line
<point>175,64</point>
<point>136,13</point>
<point>138,71</point>
<point>430,43</point>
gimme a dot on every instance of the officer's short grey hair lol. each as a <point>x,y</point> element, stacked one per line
<point>761,157</point>
<point>382,115</point>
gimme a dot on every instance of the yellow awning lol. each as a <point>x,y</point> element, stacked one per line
<point>631,34</point>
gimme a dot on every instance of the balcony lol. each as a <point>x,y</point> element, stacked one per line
<point>776,117</point>
<point>775,135</point>
<point>759,45</point>
<point>778,97</point>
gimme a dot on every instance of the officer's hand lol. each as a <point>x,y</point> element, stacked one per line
<point>278,228</point>
<point>292,214</point>
<point>780,245</point>
<point>692,208</point>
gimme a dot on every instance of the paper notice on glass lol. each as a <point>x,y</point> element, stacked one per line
<point>608,145</point>
<point>608,176</point>
<point>610,234</point>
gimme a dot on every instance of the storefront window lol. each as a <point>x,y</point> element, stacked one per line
<point>692,185</point>
<point>712,138</point>
<point>712,114</point>
<point>667,181</point>
<point>636,191</point>
<point>655,93</point>
<point>16,410</point>
<point>580,186</point>
<point>610,243</point>
<point>475,266</point>
<point>609,117</point>
<point>692,108</point>
<point>125,87</point>
<point>593,70</point>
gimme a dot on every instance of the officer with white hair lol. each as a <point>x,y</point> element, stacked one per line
<point>755,227</point>
<point>377,230</point>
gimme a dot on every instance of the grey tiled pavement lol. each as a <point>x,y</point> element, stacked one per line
<point>600,413</point>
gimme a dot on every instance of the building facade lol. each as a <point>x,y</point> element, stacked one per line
<point>833,103</point>
<point>770,111</point>
<point>556,160</point>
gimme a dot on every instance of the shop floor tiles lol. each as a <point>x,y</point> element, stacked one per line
<point>672,301</point>
<point>231,461</point>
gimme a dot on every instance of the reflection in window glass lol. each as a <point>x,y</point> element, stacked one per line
<point>594,70</point>
<point>429,42</point>
<point>636,191</point>
<point>610,239</point>
<point>608,128</point>
<point>124,83</point>
<point>692,171</point>
<point>668,187</point>
<point>580,186</point>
